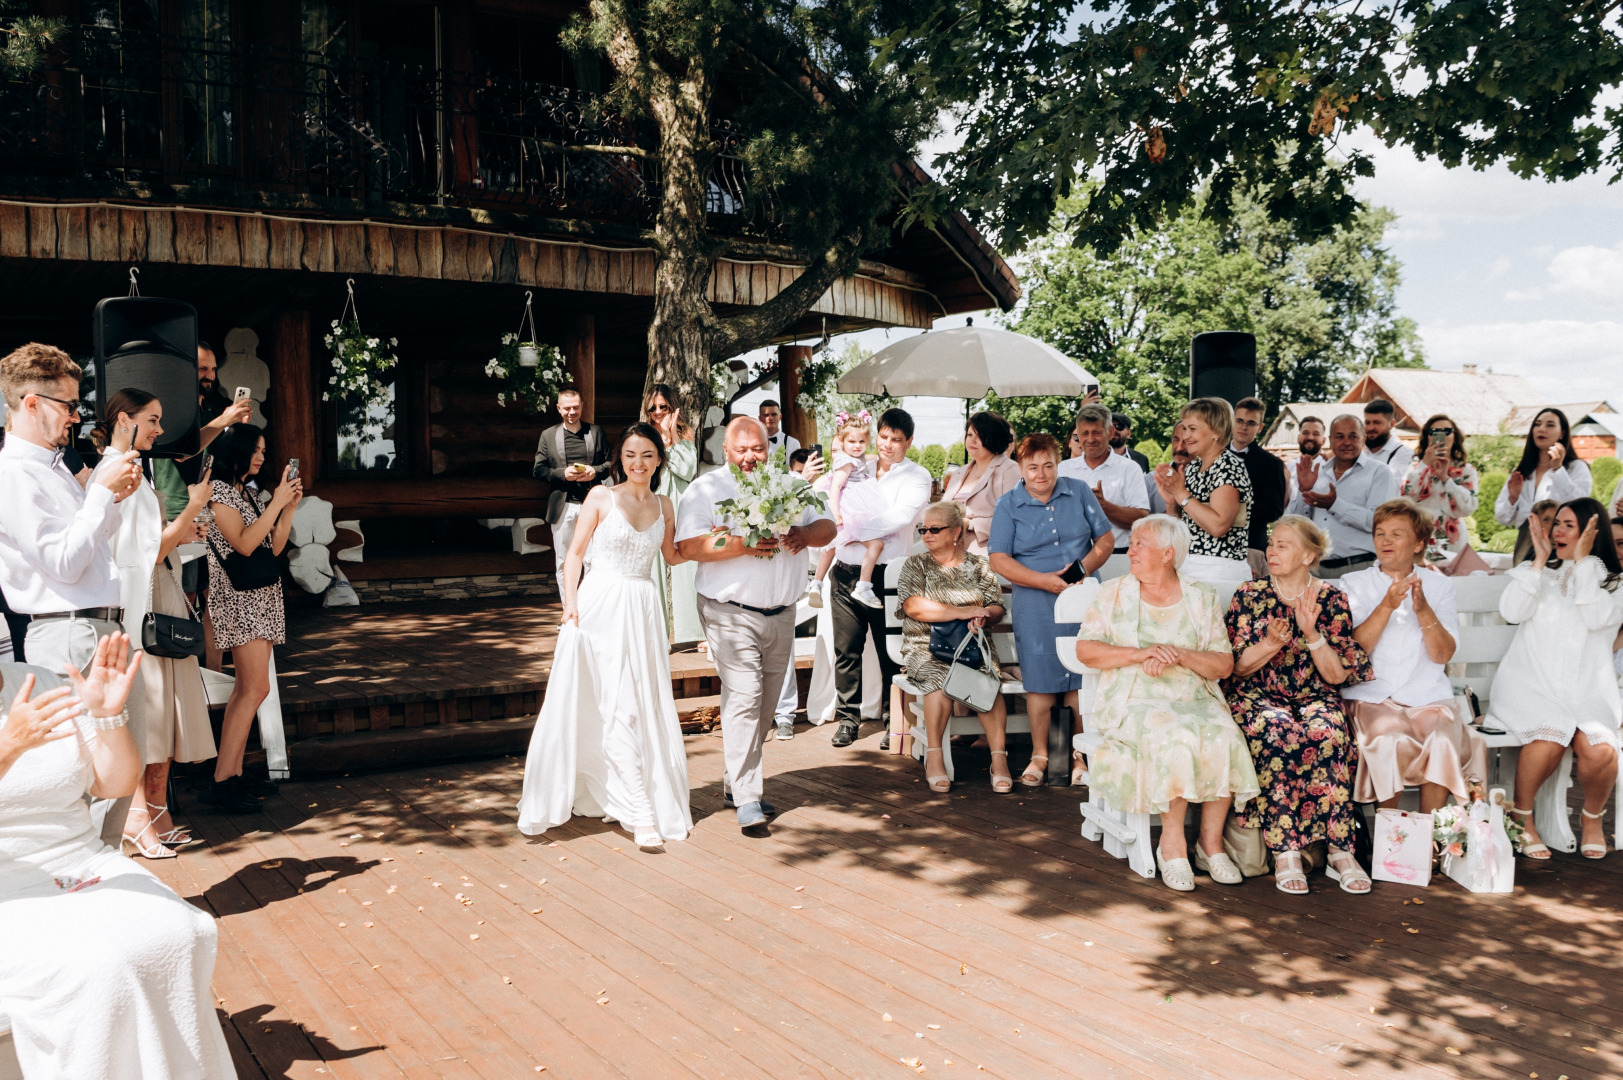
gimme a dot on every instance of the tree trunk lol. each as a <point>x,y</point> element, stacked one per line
<point>679,337</point>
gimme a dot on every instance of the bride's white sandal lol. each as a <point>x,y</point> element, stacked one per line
<point>939,782</point>
<point>649,840</point>
<point>1593,851</point>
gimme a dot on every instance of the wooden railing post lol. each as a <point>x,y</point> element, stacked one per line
<point>580,356</point>
<point>796,421</point>
<point>294,406</point>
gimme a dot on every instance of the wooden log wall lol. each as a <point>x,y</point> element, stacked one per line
<point>878,295</point>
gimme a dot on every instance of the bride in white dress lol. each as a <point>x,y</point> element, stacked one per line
<point>607,743</point>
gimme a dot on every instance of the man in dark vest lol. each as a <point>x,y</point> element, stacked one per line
<point>573,457</point>
<point>1269,486</point>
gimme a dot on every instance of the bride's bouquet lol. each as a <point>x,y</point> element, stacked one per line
<point>771,500</point>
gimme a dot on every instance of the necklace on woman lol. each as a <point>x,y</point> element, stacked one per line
<point>1290,599</point>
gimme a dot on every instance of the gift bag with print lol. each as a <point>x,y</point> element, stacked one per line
<point>1402,848</point>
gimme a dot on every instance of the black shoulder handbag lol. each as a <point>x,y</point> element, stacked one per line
<point>170,636</point>
<point>260,570</point>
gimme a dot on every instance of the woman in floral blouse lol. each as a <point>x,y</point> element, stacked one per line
<point>1443,484</point>
<point>1211,495</point>
<point>1293,650</point>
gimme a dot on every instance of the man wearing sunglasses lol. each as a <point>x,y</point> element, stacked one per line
<point>1121,441</point>
<point>56,565</point>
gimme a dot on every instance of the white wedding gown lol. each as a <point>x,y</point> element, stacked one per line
<point>110,981</point>
<point>607,743</point>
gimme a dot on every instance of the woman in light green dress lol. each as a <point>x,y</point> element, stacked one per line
<point>677,593</point>
<point>1160,646</point>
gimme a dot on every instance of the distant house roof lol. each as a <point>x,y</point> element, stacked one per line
<point>1582,412</point>
<point>1479,403</point>
<point>1283,430</point>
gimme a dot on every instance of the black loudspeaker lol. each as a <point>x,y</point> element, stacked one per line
<point>151,344</point>
<point>1223,363</point>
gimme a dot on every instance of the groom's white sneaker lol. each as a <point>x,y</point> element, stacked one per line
<point>862,592</point>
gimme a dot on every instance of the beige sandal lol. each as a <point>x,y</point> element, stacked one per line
<point>1079,769</point>
<point>1035,775</point>
<point>940,782</point>
<point>1539,852</point>
<point>1594,851</point>
<point>1002,784</point>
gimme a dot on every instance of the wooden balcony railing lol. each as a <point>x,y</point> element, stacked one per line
<point>127,114</point>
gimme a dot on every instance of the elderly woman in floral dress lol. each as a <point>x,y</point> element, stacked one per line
<point>1293,651</point>
<point>1158,641</point>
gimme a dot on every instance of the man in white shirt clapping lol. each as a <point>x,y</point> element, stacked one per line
<point>1341,495</point>
<point>1116,481</point>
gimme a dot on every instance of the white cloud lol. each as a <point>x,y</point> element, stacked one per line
<point>1590,273</point>
<point>1565,360</point>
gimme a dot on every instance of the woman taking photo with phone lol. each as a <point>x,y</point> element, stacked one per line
<point>1443,484</point>
<point>245,597</point>
<point>169,712</point>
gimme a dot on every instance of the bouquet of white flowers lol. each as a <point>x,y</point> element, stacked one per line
<point>771,500</point>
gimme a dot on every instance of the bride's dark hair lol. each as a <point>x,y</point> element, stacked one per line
<point>646,431</point>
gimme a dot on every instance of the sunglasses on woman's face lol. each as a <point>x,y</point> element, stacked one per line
<point>932,530</point>
<point>1438,432</point>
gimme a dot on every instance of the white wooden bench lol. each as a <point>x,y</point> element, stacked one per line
<point>1124,835</point>
<point>906,701</point>
<point>1484,640</point>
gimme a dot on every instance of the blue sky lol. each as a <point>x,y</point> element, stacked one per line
<point>1521,276</point>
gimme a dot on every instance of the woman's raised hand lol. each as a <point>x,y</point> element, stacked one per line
<point>112,670</point>
<point>1307,607</point>
<point>1541,540</point>
<point>1586,539</point>
<point>1279,633</point>
<point>1417,596</point>
<point>1557,454</point>
<point>38,721</point>
<point>1513,486</point>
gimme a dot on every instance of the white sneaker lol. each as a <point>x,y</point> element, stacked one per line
<point>814,595</point>
<point>862,592</point>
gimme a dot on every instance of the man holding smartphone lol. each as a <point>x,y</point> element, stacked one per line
<point>573,456</point>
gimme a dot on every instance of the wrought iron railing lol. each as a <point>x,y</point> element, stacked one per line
<point>151,112</point>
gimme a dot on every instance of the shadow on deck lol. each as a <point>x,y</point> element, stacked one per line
<point>397,924</point>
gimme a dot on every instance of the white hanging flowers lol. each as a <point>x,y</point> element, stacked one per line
<point>533,372</point>
<point>359,361</point>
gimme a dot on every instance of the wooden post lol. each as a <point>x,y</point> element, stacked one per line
<point>580,356</point>
<point>796,421</point>
<point>295,408</point>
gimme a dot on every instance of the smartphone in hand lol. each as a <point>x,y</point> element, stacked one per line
<point>1073,573</point>
<point>243,394</point>
<point>293,468</point>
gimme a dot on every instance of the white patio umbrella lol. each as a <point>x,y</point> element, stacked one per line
<point>966,362</point>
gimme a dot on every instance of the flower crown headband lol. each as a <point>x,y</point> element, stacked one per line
<point>842,418</point>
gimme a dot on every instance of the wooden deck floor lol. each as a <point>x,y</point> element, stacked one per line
<point>399,925</point>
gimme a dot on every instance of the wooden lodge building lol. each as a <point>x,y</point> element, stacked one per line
<point>250,156</point>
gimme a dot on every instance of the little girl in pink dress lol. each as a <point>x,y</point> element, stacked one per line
<point>854,497</point>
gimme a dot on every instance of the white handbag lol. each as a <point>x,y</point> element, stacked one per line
<point>977,688</point>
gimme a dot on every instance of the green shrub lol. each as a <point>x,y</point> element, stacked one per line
<point>1606,471</point>
<point>957,455</point>
<point>934,458</point>
<point>1488,487</point>
<point>1504,543</point>
<point>1152,450</point>
<point>915,455</point>
<point>1489,452</point>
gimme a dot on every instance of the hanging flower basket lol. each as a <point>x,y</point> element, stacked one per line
<point>360,363</point>
<point>533,372</point>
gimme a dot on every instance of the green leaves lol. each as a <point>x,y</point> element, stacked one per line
<point>1253,96</point>
<point>1322,309</point>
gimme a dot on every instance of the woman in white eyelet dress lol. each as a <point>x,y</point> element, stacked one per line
<point>104,970</point>
<point>608,743</point>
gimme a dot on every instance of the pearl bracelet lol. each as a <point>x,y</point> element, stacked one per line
<point>1315,645</point>
<point>106,723</point>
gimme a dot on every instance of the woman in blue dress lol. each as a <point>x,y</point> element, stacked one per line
<point>1041,527</point>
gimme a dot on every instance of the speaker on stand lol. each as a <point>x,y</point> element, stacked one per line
<point>147,343</point>
<point>1223,364</point>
